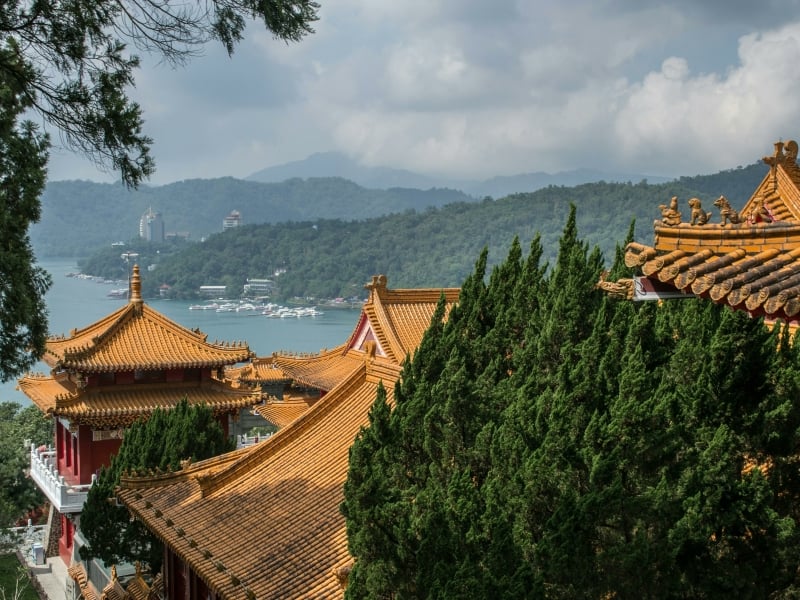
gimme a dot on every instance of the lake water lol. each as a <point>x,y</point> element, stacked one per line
<point>75,303</point>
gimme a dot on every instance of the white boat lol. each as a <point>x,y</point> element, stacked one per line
<point>212,306</point>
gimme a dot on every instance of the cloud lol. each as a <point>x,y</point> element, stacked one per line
<point>711,121</point>
<point>476,89</point>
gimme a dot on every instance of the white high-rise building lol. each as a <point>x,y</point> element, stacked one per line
<point>151,226</point>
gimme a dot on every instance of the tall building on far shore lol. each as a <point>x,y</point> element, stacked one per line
<point>151,226</point>
<point>234,219</point>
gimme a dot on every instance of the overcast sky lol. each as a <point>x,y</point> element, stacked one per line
<point>477,88</point>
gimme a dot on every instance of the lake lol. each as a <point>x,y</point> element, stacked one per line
<point>73,302</point>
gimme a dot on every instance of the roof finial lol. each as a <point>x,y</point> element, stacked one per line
<point>136,287</point>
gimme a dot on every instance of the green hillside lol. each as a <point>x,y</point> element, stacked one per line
<point>325,258</point>
<point>80,216</point>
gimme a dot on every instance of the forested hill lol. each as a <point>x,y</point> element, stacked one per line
<point>433,247</point>
<point>80,216</point>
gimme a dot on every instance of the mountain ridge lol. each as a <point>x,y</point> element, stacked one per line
<point>337,164</point>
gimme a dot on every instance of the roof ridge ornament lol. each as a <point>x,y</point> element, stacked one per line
<point>376,287</point>
<point>788,159</point>
<point>378,281</point>
<point>136,288</point>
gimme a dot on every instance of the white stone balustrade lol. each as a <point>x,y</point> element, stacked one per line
<point>65,498</point>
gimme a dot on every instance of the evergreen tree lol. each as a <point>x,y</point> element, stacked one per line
<point>161,443</point>
<point>23,158</point>
<point>19,428</point>
<point>550,442</point>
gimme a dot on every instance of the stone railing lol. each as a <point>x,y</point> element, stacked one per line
<point>245,440</point>
<point>65,498</point>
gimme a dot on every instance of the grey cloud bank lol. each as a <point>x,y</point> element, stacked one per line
<point>475,89</point>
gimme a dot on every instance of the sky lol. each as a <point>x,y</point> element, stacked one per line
<point>472,89</point>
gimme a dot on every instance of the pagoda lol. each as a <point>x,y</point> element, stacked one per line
<point>747,258</point>
<point>264,521</point>
<point>108,375</point>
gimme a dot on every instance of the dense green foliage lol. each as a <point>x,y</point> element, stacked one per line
<point>161,443</point>
<point>14,581</point>
<point>19,428</point>
<point>23,156</point>
<point>547,442</point>
<point>434,247</point>
<point>66,61</point>
<point>79,217</point>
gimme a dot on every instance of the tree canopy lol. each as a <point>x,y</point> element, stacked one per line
<point>548,442</point>
<point>161,443</point>
<point>68,62</point>
<point>19,428</point>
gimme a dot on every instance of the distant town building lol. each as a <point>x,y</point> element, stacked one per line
<point>234,219</point>
<point>151,226</point>
<point>257,287</point>
<point>216,291</point>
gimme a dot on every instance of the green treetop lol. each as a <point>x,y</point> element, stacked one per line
<point>162,442</point>
<point>547,441</point>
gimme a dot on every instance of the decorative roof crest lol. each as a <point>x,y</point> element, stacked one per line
<point>378,282</point>
<point>136,287</point>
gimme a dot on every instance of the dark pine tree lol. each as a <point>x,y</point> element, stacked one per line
<point>162,442</point>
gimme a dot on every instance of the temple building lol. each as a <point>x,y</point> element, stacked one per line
<point>102,379</point>
<point>264,521</point>
<point>748,259</point>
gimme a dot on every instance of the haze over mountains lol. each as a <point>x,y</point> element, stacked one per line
<point>335,164</point>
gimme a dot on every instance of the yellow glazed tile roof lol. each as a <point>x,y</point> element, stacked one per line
<point>321,371</point>
<point>258,370</point>
<point>139,337</point>
<point>752,263</point>
<point>78,574</point>
<point>394,320</point>
<point>121,405</point>
<point>135,589</point>
<point>295,478</point>
<point>267,525</point>
<point>282,412</point>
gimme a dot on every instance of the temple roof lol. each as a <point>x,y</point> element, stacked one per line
<point>135,588</point>
<point>282,412</point>
<point>258,370</point>
<point>137,337</point>
<point>322,371</point>
<point>750,260</point>
<point>134,338</point>
<point>283,494</point>
<point>121,405</point>
<point>396,319</point>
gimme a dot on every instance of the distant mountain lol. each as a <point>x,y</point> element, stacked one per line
<point>79,216</point>
<point>335,164</point>
<point>435,247</point>
<point>498,187</point>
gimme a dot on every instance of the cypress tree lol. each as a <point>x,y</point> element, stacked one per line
<point>370,500</point>
<point>550,442</point>
<point>161,442</point>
